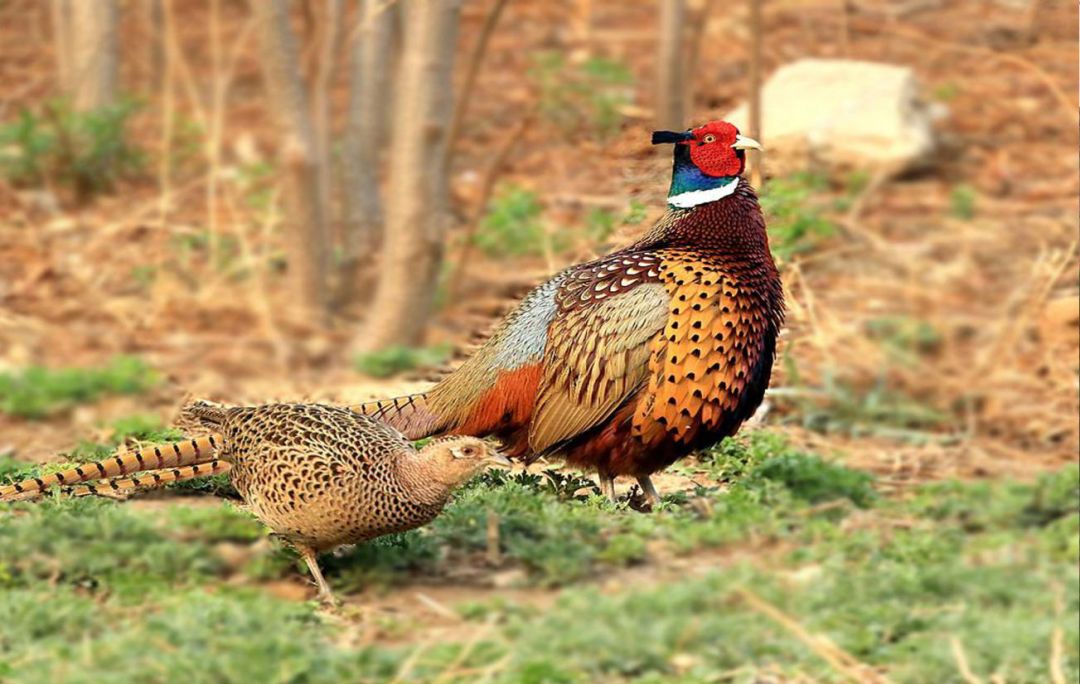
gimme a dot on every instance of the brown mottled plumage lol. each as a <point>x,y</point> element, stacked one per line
<point>319,476</point>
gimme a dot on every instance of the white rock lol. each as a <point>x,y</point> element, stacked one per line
<point>842,112</point>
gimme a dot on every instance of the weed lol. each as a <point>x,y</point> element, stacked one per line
<point>37,392</point>
<point>736,457</point>
<point>588,96</point>
<point>393,360</point>
<point>813,480</point>
<point>599,224</point>
<point>87,151</point>
<point>138,428</point>
<point>838,406</point>
<point>904,337</point>
<point>93,543</point>
<point>226,250</point>
<point>945,92</point>
<point>962,202</point>
<point>795,220</point>
<point>144,275</point>
<point>635,213</point>
<point>513,224</point>
<point>256,182</point>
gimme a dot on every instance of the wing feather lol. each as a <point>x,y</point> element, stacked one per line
<point>597,357</point>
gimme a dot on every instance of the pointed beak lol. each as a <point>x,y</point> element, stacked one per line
<point>496,458</point>
<point>665,137</point>
<point>744,143</point>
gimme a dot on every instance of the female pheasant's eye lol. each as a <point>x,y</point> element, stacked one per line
<point>709,138</point>
<point>468,451</point>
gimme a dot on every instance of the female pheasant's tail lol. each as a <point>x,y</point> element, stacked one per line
<point>197,450</point>
<point>146,480</point>
<point>204,414</point>
<point>408,414</point>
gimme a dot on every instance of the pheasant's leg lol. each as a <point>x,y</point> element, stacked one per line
<point>647,487</point>
<point>607,486</point>
<point>325,595</point>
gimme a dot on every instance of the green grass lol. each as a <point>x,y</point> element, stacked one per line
<point>795,213</point>
<point>91,587</point>
<point>513,225</point>
<point>86,151</point>
<point>36,392</point>
<point>582,97</point>
<point>394,360</point>
<point>905,338</point>
<point>962,202</point>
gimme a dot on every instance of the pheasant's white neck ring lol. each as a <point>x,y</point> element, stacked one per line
<point>693,198</point>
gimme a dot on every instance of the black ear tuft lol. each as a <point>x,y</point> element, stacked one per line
<point>662,137</point>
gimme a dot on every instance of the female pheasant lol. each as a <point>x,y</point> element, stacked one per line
<point>627,363</point>
<point>319,476</point>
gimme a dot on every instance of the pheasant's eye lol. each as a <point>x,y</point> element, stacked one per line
<point>709,138</point>
<point>468,451</point>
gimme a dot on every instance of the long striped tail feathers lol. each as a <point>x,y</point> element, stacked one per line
<point>204,414</point>
<point>195,451</point>
<point>408,414</point>
<point>121,487</point>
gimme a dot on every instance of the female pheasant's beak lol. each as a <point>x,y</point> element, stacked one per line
<point>496,458</point>
<point>663,137</point>
<point>744,143</point>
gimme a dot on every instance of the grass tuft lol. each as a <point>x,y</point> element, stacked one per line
<point>37,392</point>
<point>394,360</point>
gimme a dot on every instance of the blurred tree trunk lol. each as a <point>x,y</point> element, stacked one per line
<point>756,39</point>
<point>417,210</point>
<point>369,87</point>
<point>671,67</point>
<point>87,50</point>
<point>307,239</point>
<point>329,39</point>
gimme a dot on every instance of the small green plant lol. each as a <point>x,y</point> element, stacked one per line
<point>904,337</point>
<point>256,181</point>
<point>946,92</point>
<point>144,275</point>
<point>813,480</point>
<point>393,360</point>
<point>586,96</point>
<point>513,225</point>
<point>36,391</point>
<point>841,407</point>
<point>736,457</point>
<point>599,224</point>
<point>794,208</point>
<point>635,213</point>
<point>140,428</point>
<point>962,202</point>
<point>86,151</point>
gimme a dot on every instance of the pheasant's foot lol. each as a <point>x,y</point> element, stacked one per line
<point>325,596</point>
<point>607,486</point>
<point>651,495</point>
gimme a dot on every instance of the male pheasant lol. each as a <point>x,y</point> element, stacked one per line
<point>319,476</point>
<point>629,362</point>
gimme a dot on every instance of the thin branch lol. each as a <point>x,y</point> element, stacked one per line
<point>962,662</point>
<point>756,38</point>
<point>493,172</point>
<point>461,107</point>
<point>840,660</point>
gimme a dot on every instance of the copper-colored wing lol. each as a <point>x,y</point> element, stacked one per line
<point>598,347</point>
<point>710,348</point>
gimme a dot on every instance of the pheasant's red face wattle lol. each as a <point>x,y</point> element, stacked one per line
<point>712,152</point>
